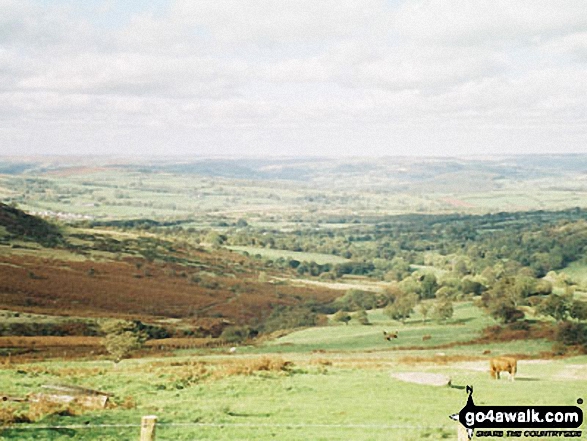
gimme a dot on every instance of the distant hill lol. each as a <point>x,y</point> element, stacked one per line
<point>208,191</point>
<point>22,226</point>
<point>425,175</point>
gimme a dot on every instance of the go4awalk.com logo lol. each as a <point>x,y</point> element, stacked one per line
<point>520,421</point>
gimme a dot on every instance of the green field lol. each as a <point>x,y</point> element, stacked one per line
<point>311,402</point>
<point>269,253</point>
<point>337,385</point>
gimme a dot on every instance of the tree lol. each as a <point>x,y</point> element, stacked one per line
<point>241,223</point>
<point>471,286</point>
<point>525,286</point>
<point>543,287</point>
<point>424,309</point>
<point>355,299</point>
<point>362,317</point>
<point>572,334</point>
<point>460,267</point>
<point>578,310</point>
<point>399,269</point>
<point>402,306</point>
<point>443,310</point>
<point>446,292</point>
<point>488,275</point>
<point>411,286</point>
<point>429,285</point>
<point>557,306</point>
<point>121,337</point>
<point>502,301</point>
<point>215,239</point>
<point>342,316</point>
<point>290,317</point>
<point>235,334</point>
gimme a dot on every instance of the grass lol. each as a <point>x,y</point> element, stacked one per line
<point>327,383</point>
<point>327,400</point>
<point>466,325</point>
<point>268,253</point>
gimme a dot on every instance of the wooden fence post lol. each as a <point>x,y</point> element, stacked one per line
<point>148,428</point>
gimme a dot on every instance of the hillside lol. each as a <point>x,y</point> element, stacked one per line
<point>110,273</point>
<point>19,225</point>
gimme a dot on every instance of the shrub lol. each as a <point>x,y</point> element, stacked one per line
<point>402,306</point>
<point>290,317</point>
<point>121,337</point>
<point>342,316</point>
<point>572,334</point>
<point>235,334</point>
<point>362,317</point>
<point>443,310</point>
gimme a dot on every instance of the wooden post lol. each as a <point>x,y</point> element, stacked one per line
<point>462,434</point>
<point>148,428</point>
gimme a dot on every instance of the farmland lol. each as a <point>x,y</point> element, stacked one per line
<point>285,389</point>
<point>289,192</point>
<point>285,254</point>
<point>254,294</point>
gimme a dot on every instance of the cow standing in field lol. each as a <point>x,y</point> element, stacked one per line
<point>503,364</point>
<point>389,335</point>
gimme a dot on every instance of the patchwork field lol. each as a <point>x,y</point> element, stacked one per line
<point>270,192</point>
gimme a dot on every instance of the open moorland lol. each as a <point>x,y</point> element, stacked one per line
<point>287,299</point>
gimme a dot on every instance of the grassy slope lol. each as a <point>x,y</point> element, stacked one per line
<point>268,253</point>
<point>344,393</point>
<point>466,325</point>
<point>106,274</point>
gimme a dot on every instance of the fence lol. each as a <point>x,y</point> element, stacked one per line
<point>146,430</point>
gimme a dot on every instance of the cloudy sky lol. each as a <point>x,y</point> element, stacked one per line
<point>293,77</point>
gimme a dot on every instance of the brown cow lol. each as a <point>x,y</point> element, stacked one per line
<point>389,335</point>
<point>426,337</point>
<point>503,364</point>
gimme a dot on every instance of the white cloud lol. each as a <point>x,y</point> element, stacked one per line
<point>490,22</point>
<point>314,77</point>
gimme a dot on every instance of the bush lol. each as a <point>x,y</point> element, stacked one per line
<point>121,337</point>
<point>572,334</point>
<point>362,317</point>
<point>402,306</point>
<point>32,329</point>
<point>235,334</point>
<point>290,317</point>
<point>342,316</point>
<point>355,299</point>
<point>443,310</point>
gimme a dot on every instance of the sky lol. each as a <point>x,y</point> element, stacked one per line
<point>293,77</point>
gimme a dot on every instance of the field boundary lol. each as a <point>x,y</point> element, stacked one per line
<point>283,425</point>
